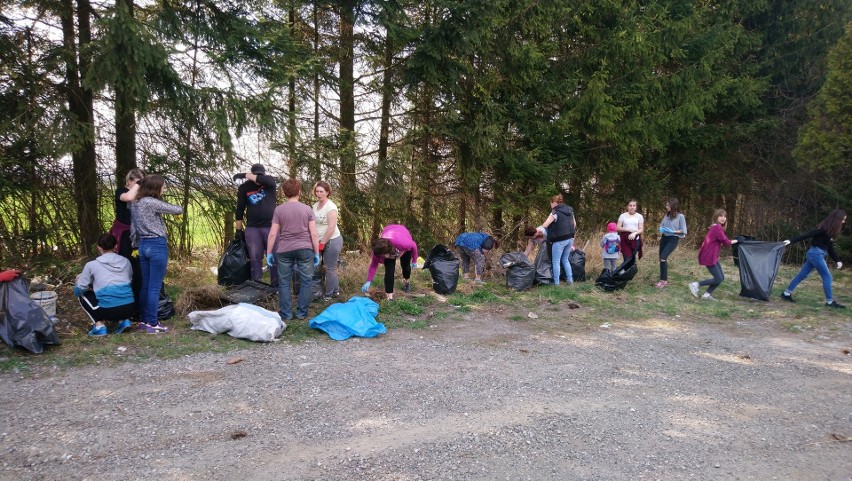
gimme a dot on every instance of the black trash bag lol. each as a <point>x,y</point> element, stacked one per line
<point>165,308</point>
<point>23,322</point>
<point>543,266</point>
<point>758,263</point>
<point>735,250</point>
<point>443,265</point>
<point>520,272</point>
<point>577,258</point>
<point>613,281</point>
<point>234,267</point>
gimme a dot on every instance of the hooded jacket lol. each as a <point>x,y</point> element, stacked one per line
<point>109,276</point>
<point>562,227</point>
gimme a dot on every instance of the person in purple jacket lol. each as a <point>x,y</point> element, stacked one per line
<point>708,255</point>
<point>395,242</point>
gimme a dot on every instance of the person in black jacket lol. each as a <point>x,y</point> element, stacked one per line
<point>821,245</point>
<point>561,225</point>
<point>256,199</point>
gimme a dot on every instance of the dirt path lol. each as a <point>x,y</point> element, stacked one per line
<point>484,398</point>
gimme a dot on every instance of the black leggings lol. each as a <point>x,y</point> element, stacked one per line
<point>668,243</point>
<point>99,314</point>
<point>718,278</point>
<point>390,270</point>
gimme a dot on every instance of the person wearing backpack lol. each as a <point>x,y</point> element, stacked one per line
<point>610,247</point>
<point>561,225</point>
<point>672,229</point>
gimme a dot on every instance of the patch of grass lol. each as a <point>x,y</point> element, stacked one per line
<point>517,317</point>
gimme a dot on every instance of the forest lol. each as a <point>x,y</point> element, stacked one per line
<point>444,115</point>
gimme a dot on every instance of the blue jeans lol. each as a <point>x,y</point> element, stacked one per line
<point>302,261</point>
<point>153,259</point>
<point>814,259</point>
<point>561,250</point>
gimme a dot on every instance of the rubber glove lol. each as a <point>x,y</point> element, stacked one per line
<point>840,265</point>
<point>786,242</point>
<point>241,175</point>
<point>321,246</point>
<point>316,259</point>
<point>666,230</point>
<point>366,286</point>
<point>9,275</point>
<point>414,265</point>
<point>270,259</point>
<point>78,292</point>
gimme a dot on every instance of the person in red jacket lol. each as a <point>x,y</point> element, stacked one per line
<point>708,255</point>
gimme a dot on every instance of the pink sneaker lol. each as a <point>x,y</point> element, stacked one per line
<point>661,284</point>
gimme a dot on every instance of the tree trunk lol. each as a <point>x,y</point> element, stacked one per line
<point>80,104</point>
<point>348,159</point>
<point>384,133</point>
<point>291,110</point>
<point>125,124</point>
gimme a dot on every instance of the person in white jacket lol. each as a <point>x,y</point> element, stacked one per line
<point>104,289</point>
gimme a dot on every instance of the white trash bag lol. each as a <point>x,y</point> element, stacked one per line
<point>244,321</point>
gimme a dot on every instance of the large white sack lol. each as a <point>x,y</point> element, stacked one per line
<point>245,321</point>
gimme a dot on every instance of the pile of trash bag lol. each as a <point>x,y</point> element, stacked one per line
<point>355,317</point>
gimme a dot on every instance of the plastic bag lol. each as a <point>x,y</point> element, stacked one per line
<point>735,249</point>
<point>520,272</point>
<point>613,281</point>
<point>22,322</point>
<point>758,263</point>
<point>577,258</point>
<point>165,308</point>
<point>443,265</point>
<point>543,266</point>
<point>355,317</point>
<point>234,267</point>
<point>244,321</point>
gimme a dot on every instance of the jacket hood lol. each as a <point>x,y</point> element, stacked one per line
<point>113,261</point>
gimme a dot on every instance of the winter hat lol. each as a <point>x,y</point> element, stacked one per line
<point>258,169</point>
<point>611,227</point>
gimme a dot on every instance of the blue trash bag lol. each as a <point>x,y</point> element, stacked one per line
<point>355,317</point>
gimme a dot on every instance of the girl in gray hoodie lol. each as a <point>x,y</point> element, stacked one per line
<point>104,288</point>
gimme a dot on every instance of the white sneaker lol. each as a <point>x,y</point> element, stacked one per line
<point>707,297</point>
<point>693,288</point>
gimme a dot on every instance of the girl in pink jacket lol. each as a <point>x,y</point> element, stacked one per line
<point>708,255</point>
<point>394,242</point>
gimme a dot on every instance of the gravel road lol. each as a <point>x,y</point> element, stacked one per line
<point>482,398</point>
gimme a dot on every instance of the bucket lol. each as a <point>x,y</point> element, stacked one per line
<point>46,300</point>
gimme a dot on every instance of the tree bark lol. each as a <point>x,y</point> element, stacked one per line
<point>125,123</point>
<point>346,82</point>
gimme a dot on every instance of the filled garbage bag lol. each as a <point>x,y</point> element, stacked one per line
<point>244,321</point>
<point>577,258</point>
<point>543,266</point>
<point>443,265</point>
<point>758,263</point>
<point>165,307</point>
<point>234,267</point>
<point>520,272</point>
<point>613,281</point>
<point>735,249</point>
<point>23,322</point>
<point>355,317</point>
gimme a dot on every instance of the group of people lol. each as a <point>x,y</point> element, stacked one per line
<point>115,285</point>
<point>624,237</point>
<point>296,239</point>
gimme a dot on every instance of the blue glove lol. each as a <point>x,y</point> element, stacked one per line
<point>78,292</point>
<point>366,286</point>
<point>270,259</point>
<point>666,230</point>
<point>316,259</point>
<point>414,265</point>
